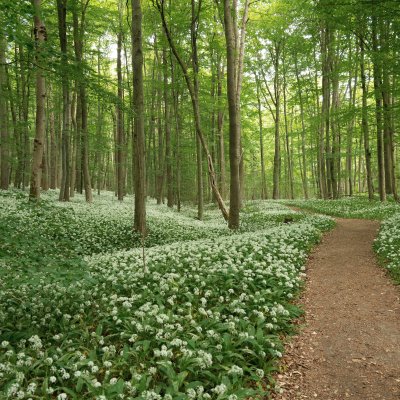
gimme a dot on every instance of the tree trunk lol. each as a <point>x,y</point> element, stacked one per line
<point>82,110</point>
<point>364,119</point>
<point>324,144</point>
<point>264,194</point>
<point>377,70</point>
<point>193,35</point>
<point>4,140</point>
<point>220,133</point>
<point>62,30</point>
<point>387,108</point>
<point>277,146</point>
<point>234,127</point>
<point>119,114</point>
<point>138,110</point>
<point>303,131</point>
<point>38,145</point>
<point>287,140</point>
<point>167,124</point>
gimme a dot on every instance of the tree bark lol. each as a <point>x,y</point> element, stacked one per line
<point>4,139</point>
<point>234,127</point>
<point>138,110</point>
<point>62,30</point>
<point>303,131</point>
<point>167,125</point>
<point>38,145</point>
<point>119,114</point>
<point>264,194</point>
<point>79,27</point>
<point>377,70</point>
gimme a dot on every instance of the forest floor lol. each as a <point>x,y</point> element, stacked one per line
<point>350,344</point>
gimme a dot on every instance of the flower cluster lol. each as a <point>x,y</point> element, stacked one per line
<point>387,245</point>
<point>349,207</point>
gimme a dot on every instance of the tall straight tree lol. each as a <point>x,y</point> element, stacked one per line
<point>4,156</point>
<point>119,112</point>
<point>38,145</point>
<point>364,118</point>
<point>377,71</point>
<point>234,127</point>
<point>65,153</point>
<point>79,17</point>
<point>194,31</point>
<point>138,110</point>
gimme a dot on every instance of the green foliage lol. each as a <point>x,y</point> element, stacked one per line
<point>202,320</point>
<point>350,207</point>
<point>387,245</point>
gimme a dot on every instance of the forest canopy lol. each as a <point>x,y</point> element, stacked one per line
<point>200,100</point>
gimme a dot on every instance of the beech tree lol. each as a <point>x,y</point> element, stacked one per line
<point>235,100</point>
<point>40,38</point>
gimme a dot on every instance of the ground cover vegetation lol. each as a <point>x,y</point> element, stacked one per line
<point>146,148</point>
<point>201,317</point>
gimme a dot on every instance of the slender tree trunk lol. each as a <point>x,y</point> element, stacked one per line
<point>287,140</point>
<point>335,153</point>
<point>138,109</point>
<point>303,131</point>
<point>167,125</point>
<point>240,44</point>
<point>377,70</point>
<point>45,166</point>
<point>220,133</point>
<point>199,169</point>
<point>119,113</point>
<point>82,109</point>
<point>62,28</point>
<point>324,144</point>
<point>85,148</point>
<point>195,65</point>
<point>178,128</point>
<point>264,194</point>
<point>385,87</point>
<point>36,170</point>
<point>277,146</point>
<point>4,139</point>
<point>364,119</point>
<point>234,127</point>
<point>76,127</point>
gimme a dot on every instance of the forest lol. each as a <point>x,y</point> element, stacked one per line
<point>194,194</point>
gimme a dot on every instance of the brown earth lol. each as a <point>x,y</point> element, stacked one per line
<point>349,347</point>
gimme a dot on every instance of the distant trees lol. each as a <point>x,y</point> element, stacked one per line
<point>239,100</point>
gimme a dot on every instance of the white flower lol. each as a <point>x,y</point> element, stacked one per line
<point>219,389</point>
<point>235,370</point>
<point>260,373</point>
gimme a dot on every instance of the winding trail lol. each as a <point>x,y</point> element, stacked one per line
<point>349,347</point>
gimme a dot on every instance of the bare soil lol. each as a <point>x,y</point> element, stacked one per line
<point>349,347</point>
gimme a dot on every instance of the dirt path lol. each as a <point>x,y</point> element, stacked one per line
<point>350,346</point>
